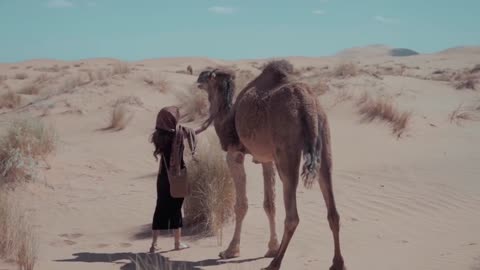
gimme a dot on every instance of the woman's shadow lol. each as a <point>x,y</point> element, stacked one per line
<point>148,261</point>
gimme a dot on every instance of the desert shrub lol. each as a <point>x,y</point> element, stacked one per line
<point>159,83</point>
<point>120,68</point>
<point>21,76</point>
<point>98,74</point>
<point>345,70</point>
<point>10,100</point>
<point>26,141</point>
<point>475,69</point>
<point>120,117</point>
<point>193,104</point>
<point>462,112</point>
<point>211,204</point>
<point>30,89</point>
<point>320,87</point>
<point>383,109</point>
<point>466,82</point>
<point>17,239</point>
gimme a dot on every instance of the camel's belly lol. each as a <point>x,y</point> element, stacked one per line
<point>254,132</point>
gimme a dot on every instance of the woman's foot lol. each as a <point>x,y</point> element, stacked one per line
<point>154,249</point>
<point>180,246</point>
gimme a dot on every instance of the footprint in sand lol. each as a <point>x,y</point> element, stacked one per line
<point>71,235</point>
<point>69,242</point>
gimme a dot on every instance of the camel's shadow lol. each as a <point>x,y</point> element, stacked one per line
<point>148,261</point>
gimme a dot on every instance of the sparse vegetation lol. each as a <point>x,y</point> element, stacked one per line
<point>98,74</point>
<point>54,68</point>
<point>345,70</point>
<point>383,109</point>
<point>3,78</point>
<point>466,82</point>
<point>210,206</point>
<point>461,113</point>
<point>159,83</point>
<point>320,87</point>
<point>17,239</point>
<point>121,115</point>
<point>10,100</point>
<point>193,104</point>
<point>30,89</point>
<point>120,68</point>
<point>21,76</point>
<point>25,142</point>
<point>475,69</point>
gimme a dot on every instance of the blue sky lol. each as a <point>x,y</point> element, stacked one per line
<point>228,29</point>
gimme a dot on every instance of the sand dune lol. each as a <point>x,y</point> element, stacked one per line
<point>405,203</point>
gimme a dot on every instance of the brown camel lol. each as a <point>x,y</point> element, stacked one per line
<point>276,120</point>
<point>190,70</point>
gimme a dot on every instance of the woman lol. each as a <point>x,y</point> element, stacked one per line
<point>168,213</point>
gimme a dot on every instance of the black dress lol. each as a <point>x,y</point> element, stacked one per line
<point>168,212</point>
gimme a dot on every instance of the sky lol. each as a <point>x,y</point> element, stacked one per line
<point>228,29</point>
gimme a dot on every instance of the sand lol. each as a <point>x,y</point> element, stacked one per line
<point>405,203</point>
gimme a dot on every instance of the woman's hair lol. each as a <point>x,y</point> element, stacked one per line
<point>162,140</point>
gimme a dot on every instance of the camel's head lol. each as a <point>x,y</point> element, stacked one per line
<point>220,86</point>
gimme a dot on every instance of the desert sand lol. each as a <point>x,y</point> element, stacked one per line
<point>408,202</point>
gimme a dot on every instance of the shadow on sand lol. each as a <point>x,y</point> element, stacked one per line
<point>145,232</point>
<point>148,261</point>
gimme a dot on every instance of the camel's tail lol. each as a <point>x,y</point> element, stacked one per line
<point>317,153</point>
<point>312,147</point>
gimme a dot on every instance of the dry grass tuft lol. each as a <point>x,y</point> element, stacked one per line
<point>25,142</point>
<point>120,68</point>
<point>345,70</point>
<point>211,204</point>
<point>30,89</point>
<point>475,69</point>
<point>17,240</point>
<point>54,68</point>
<point>41,79</point>
<point>193,104</point>
<point>21,76</point>
<point>159,83</point>
<point>320,87</point>
<point>121,113</point>
<point>461,113</point>
<point>98,74</point>
<point>466,82</point>
<point>383,109</point>
<point>10,100</point>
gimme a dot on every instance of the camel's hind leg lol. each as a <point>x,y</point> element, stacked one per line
<point>288,164</point>
<point>269,206</point>
<point>333,218</point>
<point>235,161</point>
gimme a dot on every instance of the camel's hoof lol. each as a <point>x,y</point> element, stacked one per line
<point>271,253</point>
<point>338,265</point>
<point>271,268</point>
<point>227,254</point>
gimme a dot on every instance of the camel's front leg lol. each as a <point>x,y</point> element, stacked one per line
<point>269,206</point>
<point>235,161</point>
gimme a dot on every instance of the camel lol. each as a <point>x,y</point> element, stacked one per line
<point>190,70</point>
<point>276,120</point>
